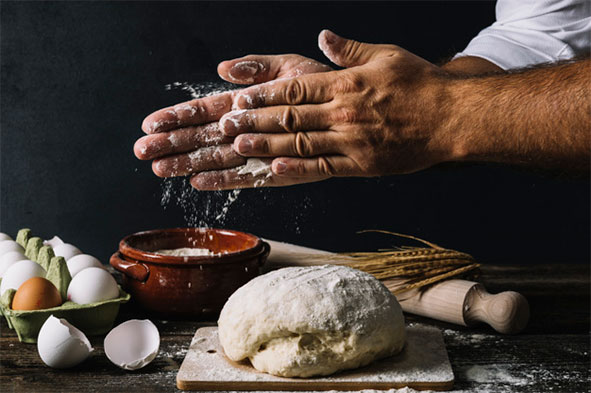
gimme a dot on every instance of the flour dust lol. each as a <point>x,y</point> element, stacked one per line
<point>213,208</point>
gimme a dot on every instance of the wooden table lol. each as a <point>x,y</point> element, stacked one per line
<point>552,355</point>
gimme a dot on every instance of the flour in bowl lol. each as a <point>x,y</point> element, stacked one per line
<point>185,252</point>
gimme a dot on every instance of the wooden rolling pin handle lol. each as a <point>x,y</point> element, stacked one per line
<point>507,312</point>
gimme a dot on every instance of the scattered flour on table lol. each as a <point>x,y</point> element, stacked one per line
<point>493,373</point>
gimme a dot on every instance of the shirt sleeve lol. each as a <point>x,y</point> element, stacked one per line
<point>529,32</point>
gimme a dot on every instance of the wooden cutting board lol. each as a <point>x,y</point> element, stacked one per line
<point>422,365</point>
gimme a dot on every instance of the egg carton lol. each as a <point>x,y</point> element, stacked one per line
<point>93,318</point>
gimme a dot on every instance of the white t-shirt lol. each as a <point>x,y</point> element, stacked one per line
<point>529,32</point>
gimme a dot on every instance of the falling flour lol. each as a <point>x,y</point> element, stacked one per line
<point>207,209</point>
<point>198,207</point>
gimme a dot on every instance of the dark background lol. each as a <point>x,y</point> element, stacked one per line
<point>78,78</point>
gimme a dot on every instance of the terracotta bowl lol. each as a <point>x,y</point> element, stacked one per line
<point>193,286</point>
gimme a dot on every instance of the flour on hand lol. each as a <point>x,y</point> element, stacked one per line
<point>256,167</point>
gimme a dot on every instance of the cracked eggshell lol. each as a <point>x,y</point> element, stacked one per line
<point>10,258</point>
<point>66,250</point>
<point>61,345</point>
<point>133,344</point>
<point>53,242</point>
<point>4,236</point>
<point>9,245</point>
<point>82,261</point>
<point>93,284</point>
<point>18,273</point>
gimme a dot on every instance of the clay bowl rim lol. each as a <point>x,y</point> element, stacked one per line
<point>127,251</point>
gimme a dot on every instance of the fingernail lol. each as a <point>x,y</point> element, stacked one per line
<point>245,71</point>
<point>244,146</point>
<point>244,101</point>
<point>280,167</point>
<point>330,37</point>
<point>230,122</point>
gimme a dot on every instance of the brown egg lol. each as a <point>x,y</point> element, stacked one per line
<point>35,294</point>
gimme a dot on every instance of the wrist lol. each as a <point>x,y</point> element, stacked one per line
<point>450,141</point>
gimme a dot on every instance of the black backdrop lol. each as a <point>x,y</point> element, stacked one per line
<point>78,78</point>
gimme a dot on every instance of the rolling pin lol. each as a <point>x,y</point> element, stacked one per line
<point>459,302</point>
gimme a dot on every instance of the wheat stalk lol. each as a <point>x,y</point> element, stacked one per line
<point>407,268</point>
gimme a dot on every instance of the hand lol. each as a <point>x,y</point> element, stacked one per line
<point>186,138</point>
<point>384,114</point>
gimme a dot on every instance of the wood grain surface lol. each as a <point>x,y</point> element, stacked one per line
<point>552,354</point>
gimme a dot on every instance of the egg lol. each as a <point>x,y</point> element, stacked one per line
<point>91,285</point>
<point>82,261</point>
<point>10,258</point>
<point>61,345</point>
<point>18,273</point>
<point>36,293</point>
<point>66,250</point>
<point>9,245</point>
<point>133,344</point>
<point>4,236</point>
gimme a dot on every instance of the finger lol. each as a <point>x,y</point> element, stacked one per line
<point>278,119</point>
<point>263,68</point>
<point>204,159</point>
<point>179,141</point>
<point>323,166</point>
<point>250,69</point>
<point>195,112</point>
<point>306,89</point>
<point>300,144</point>
<point>231,179</point>
<point>350,53</point>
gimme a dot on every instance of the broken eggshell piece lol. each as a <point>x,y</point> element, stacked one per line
<point>53,242</point>
<point>61,345</point>
<point>133,344</point>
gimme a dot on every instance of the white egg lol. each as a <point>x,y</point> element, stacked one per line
<point>133,344</point>
<point>9,245</point>
<point>82,261</point>
<point>61,345</point>
<point>53,242</point>
<point>18,273</point>
<point>10,258</point>
<point>66,250</point>
<point>4,236</point>
<point>91,285</point>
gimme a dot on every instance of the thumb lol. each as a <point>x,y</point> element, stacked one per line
<point>348,53</point>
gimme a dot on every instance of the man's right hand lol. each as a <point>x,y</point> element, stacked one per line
<point>186,138</point>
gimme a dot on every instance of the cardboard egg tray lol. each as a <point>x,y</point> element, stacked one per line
<point>93,318</point>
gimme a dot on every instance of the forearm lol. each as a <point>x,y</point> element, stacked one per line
<point>538,117</point>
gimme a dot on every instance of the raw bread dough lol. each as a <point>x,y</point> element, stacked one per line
<point>307,321</point>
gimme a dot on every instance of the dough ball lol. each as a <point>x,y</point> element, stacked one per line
<point>309,321</point>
